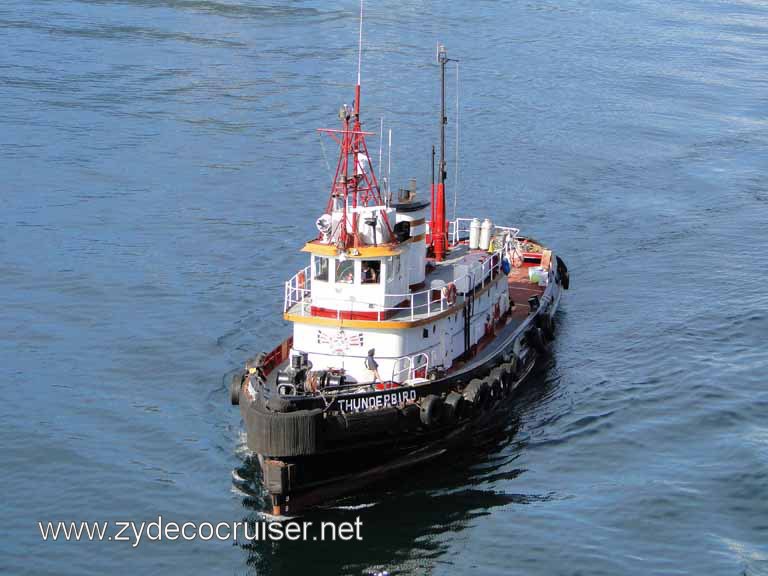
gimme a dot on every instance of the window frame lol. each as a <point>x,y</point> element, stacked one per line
<point>315,260</point>
<point>363,264</point>
<point>340,262</point>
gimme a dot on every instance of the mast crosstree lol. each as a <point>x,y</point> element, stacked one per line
<point>354,184</point>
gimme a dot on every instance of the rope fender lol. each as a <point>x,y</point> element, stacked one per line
<point>284,434</point>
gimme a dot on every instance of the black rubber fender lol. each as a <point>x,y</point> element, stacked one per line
<point>507,378</point>
<point>431,410</point>
<point>452,407</point>
<point>514,366</point>
<point>284,434</point>
<point>536,339</point>
<point>495,386</point>
<point>476,393</point>
<point>547,325</point>
<point>562,273</point>
<point>235,386</point>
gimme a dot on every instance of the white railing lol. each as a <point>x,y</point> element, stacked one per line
<point>411,306</point>
<point>460,226</point>
<point>410,366</point>
<point>298,289</point>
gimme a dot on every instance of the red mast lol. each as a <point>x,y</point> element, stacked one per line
<point>439,226</point>
<point>354,184</point>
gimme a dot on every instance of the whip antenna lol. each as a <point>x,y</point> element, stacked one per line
<point>360,45</point>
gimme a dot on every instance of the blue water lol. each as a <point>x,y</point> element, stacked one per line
<point>159,169</point>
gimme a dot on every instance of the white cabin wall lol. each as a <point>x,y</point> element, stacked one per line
<point>357,297</point>
<point>416,251</point>
<point>397,286</point>
<point>346,348</point>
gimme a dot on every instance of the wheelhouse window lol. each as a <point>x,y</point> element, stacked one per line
<point>345,271</point>
<point>320,270</point>
<point>371,270</point>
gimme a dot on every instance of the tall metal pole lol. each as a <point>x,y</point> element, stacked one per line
<point>442,59</point>
<point>433,215</point>
<point>439,238</point>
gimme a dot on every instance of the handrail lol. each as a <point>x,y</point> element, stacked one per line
<point>456,227</point>
<point>411,368</point>
<point>298,288</point>
<point>418,305</point>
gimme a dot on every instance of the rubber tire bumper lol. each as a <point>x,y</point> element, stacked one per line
<point>235,386</point>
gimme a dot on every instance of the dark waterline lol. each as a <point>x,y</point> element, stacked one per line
<point>156,160</point>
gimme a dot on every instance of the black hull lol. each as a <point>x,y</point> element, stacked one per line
<point>328,476</point>
<point>322,450</point>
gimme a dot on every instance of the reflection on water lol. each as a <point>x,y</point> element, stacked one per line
<point>410,518</point>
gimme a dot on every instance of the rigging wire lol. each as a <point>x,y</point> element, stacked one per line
<point>325,156</point>
<point>456,169</point>
<point>381,144</point>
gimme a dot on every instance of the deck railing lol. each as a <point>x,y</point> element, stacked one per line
<point>411,306</point>
<point>458,230</point>
<point>298,289</point>
<point>409,367</point>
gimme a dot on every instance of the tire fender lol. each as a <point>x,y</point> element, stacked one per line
<point>536,339</point>
<point>235,386</point>
<point>452,407</point>
<point>476,393</point>
<point>431,409</point>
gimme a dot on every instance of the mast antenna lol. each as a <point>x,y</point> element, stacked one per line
<point>439,226</point>
<point>360,45</point>
<point>354,186</point>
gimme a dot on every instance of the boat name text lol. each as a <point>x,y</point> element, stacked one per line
<point>378,401</point>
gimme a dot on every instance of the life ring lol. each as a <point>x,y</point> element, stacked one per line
<point>449,293</point>
<point>301,280</point>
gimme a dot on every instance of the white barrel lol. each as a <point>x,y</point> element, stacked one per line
<point>486,231</point>
<point>474,234</point>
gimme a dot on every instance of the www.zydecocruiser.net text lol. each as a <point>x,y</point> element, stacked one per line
<point>159,530</point>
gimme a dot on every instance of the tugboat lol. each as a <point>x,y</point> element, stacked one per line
<point>410,332</point>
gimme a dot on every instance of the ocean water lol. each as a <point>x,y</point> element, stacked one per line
<point>160,168</point>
